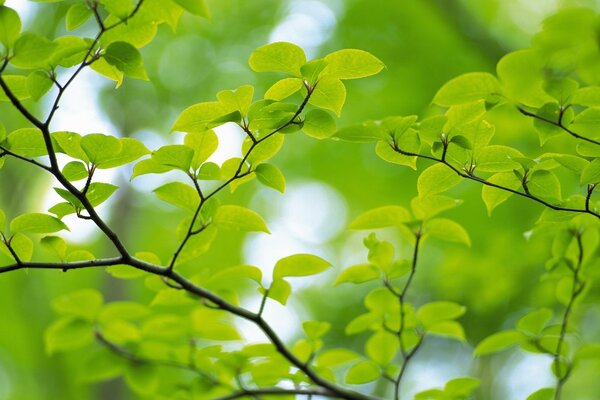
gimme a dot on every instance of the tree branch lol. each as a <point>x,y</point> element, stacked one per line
<point>470,176</point>
<point>558,125</point>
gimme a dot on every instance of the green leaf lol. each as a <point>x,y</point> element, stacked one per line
<point>319,124</point>
<point>195,7</point>
<point>278,56</point>
<point>239,219</point>
<point>179,194</point>
<point>70,144</point>
<point>521,77</point>
<point>225,275</point>
<point>545,184</point>
<point>493,197</point>
<point>100,148</point>
<point>283,89</point>
<point>329,94</point>
<point>84,304</point>
<point>498,342</point>
<point>315,329</point>
<point>102,67</point>
<point>335,358</point>
<point>382,347</point>
<point>23,246</point>
<point>204,145</point>
<point>546,130</point>
<point>263,151</point>
<point>450,329</point>
<point>32,51</point>
<point>461,387</point>
<point>497,158</point>
<point>239,99</point>
<point>55,244</point>
<point>586,96</point>
<point>130,150</point>
<point>38,84</point>
<point>358,274</point>
<point>535,321</point>
<point>271,176</point>
<point>10,26</point>
<point>432,313</point>
<point>591,173</point>
<point>18,86</point>
<point>362,372</point>
<point>467,88</point>
<point>200,117</point>
<point>142,378</point>
<point>126,58</point>
<point>542,394</point>
<point>299,265</point>
<point>360,133</point>
<point>430,206</point>
<point>437,179</point>
<point>149,166</point>
<point>99,192</point>
<point>351,64</point>
<point>177,156</point>
<point>27,142</point>
<point>387,153</point>
<point>36,223</point>
<point>381,217</point>
<point>447,230</point>
<point>77,15</point>
<point>280,290</point>
<point>67,333</point>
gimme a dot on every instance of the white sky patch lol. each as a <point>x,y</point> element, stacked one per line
<point>523,374</point>
<point>23,7</point>
<point>282,318</point>
<point>308,24</point>
<point>231,137</point>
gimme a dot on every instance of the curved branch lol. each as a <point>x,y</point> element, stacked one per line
<point>558,125</point>
<point>472,177</point>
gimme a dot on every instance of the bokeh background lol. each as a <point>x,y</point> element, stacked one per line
<point>423,43</point>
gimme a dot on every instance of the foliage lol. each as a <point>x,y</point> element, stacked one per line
<point>184,341</point>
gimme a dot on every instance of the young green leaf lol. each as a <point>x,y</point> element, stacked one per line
<point>363,372</point>
<point>271,176</point>
<point>10,26</point>
<point>382,347</point>
<point>381,217</point>
<point>493,197</point>
<point>329,94</point>
<point>278,56</point>
<point>77,15</point>
<point>437,179</point>
<point>447,230</point>
<point>126,58</point>
<point>283,89</point>
<point>239,219</point>
<point>467,88</point>
<point>32,51</point>
<point>498,342</point>
<point>179,194</point>
<point>358,274</point>
<point>36,223</point>
<point>351,64</point>
<point>435,312</point>
<point>280,291</point>
<point>319,124</point>
<point>68,333</point>
<point>195,7</point>
<point>299,265</point>
<point>85,303</point>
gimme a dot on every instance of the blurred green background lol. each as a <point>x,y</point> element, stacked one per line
<point>423,43</point>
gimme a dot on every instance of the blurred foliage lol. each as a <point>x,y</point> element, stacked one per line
<point>423,44</point>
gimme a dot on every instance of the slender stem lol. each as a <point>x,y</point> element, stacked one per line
<point>279,392</point>
<point>407,355</point>
<point>135,359</point>
<point>472,177</point>
<point>576,290</point>
<point>237,175</point>
<point>558,124</point>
